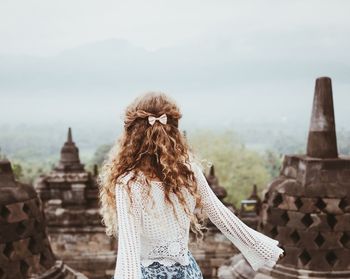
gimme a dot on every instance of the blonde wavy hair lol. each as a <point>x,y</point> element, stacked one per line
<point>157,151</point>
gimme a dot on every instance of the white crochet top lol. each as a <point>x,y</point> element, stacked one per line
<point>149,231</point>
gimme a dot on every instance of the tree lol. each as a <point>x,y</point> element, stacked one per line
<point>236,167</point>
<point>18,171</point>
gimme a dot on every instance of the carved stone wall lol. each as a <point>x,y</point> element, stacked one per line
<point>25,250</point>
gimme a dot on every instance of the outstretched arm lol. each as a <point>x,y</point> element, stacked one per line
<point>257,248</point>
<point>128,256</point>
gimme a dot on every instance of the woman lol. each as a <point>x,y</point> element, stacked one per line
<point>149,190</point>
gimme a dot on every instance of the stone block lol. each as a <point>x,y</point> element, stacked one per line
<point>315,190</point>
<point>296,220</point>
<point>290,171</point>
<point>318,260</point>
<point>307,240</point>
<point>344,204</point>
<point>326,190</point>
<point>288,203</point>
<point>321,222</point>
<point>339,164</point>
<point>308,205</point>
<point>278,217</point>
<point>343,222</point>
<point>291,187</point>
<point>284,236</point>
<point>16,213</point>
<point>327,176</point>
<point>344,177</point>
<point>312,172</point>
<point>332,205</point>
<point>291,256</point>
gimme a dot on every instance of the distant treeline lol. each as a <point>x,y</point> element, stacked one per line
<point>238,165</point>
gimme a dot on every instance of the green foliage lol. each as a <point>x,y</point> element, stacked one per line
<point>27,172</point>
<point>236,167</point>
<point>289,144</point>
<point>273,162</point>
<point>18,171</point>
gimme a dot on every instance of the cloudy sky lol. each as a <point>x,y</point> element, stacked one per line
<point>224,61</point>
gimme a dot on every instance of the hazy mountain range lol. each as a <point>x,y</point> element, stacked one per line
<point>217,84</point>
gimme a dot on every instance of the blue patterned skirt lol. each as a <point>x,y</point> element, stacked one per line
<point>157,270</point>
<point>175,271</point>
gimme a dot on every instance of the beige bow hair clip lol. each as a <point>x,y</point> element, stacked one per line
<point>162,119</point>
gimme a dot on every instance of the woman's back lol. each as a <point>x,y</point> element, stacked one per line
<point>150,232</point>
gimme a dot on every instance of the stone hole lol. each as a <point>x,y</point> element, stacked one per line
<point>298,202</point>
<point>304,257</point>
<point>307,220</point>
<point>345,239</point>
<point>277,200</point>
<point>262,226</point>
<point>23,266</point>
<point>26,209</point>
<point>37,225</point>
<point>285,217</point>
<point>343,204</point>
<point>37,202</point>
<point>266,197</point>
<point>32,246</point>
<point>331,258</point>
<point>1,273</point>
<point>295,237</point>
<point>331,220</point>
<point>4,212</point>
<point>20,228</point>
<point>43,259</point>
<point>319,240</point>
<point>320,204</point>
<point>8,249</point>
<point>274,232</point>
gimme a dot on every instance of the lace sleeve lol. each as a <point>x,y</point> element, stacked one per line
<point>128,256</point>
<point>257,248</point>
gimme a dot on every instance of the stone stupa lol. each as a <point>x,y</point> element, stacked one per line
<point>70,200</point>
<point>307,208</point>
<point>25,249</point>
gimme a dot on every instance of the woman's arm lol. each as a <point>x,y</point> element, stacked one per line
<point>258,249</point>
<point>128,256</point>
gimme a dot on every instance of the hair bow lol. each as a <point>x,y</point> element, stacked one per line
<point>162,119</point>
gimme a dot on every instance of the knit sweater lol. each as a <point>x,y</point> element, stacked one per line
<point>148,230</point>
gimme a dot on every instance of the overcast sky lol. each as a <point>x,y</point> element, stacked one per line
<point>44,27</point>
<point>237,59</point>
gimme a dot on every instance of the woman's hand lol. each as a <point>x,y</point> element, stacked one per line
<point>282,255</point>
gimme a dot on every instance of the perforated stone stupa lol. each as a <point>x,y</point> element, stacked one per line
<point>307,208</point>
<point>25,250</point>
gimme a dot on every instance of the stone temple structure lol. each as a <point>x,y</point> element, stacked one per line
<point>307,208</point>
<point>216,248</point>
<point>25,250</point>
<point>250,209</point>
<point>70,198</point>
<point>69,182</point>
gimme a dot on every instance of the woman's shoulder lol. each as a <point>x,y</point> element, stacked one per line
<point>196,165</point>
<point>131,179</point>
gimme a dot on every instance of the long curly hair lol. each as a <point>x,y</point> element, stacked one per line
<point>155,151</point>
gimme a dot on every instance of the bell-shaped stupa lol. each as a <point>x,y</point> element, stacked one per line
<point>307,208</point>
